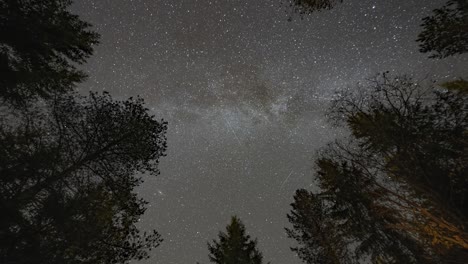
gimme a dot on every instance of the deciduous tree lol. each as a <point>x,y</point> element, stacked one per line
<point>68,173</point>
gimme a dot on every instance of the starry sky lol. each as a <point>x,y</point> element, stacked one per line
<point>245,92</point>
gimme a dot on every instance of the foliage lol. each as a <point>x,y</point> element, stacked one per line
<point>320,240</point>
<point>445,32</point>
<point>235,246</point>
<point>396,191</point>
<point>68,178</point>
<point>417,138</point>
<point>355,226</point>
<point>68,164</point>
<point>40,44</point>
<point>419,135</point>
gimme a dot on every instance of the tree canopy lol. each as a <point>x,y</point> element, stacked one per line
<point>69,164</point>
<point>234,246</point>
<point>41,43</point>
<point>68,179</point>
<point>395,190</point>
<point>319,239</point>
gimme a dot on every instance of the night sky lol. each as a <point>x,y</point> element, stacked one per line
<point>244,92</point>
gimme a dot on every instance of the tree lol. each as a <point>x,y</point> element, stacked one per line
<point>68,173</point>
<point>445,32</point>
<point>40,44</point>
<point>345,223</point>
<point>235,246</point>
<point>319,239</point>
<point>419,135</point>
<point>417,138</point>
<point>396,191</point>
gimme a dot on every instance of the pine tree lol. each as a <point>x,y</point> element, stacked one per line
<point>41,43</point>
<point>234,246</point>
<point>319,238</point>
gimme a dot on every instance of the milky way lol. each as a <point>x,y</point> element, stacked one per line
<point>244,91</point>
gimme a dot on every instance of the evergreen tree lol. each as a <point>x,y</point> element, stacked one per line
<point>40,44</point>
<point>344,223</point>
<point>419,136</point>
<point>234,246</point>
<point>319,239</point>
<point>396,191</point>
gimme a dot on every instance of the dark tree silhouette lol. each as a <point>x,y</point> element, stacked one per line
<point>235,246</point>
<point>68,177</point>
<point>40,44</point>
<point>342,224</point>
<point>319,238</point>
<point>420,132</point>
<point>445,32</point>
<point>397,189</point>
<point>68,164</point>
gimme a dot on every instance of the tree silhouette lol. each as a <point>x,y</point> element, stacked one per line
<point>445,32</point>
<point>40,44</point>
<point>68,173</point>
<point>343,224</point>
<point>235,246</point>
<point>320,240</point>
<point>69,164</point>
<point>420,133</point>
<point>396,190</point>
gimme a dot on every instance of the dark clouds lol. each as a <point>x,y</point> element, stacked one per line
<point>244,92</point>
